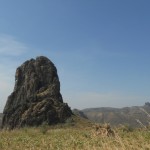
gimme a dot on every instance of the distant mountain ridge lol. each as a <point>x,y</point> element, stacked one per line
<point>131,116</point>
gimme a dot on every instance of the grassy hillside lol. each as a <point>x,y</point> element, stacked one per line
<point>71,136</point>
<point>116,116</point>
<point>70,139</point>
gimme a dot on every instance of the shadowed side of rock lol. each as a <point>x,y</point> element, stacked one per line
<point>1,116</point>
<point>36,98</point>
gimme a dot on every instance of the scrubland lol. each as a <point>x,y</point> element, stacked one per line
<point>72,136</point>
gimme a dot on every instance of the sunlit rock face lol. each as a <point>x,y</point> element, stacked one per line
<point>36,98</point>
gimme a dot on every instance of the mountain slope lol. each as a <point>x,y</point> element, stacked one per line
<point>79,113</point>
<point>115,116</point>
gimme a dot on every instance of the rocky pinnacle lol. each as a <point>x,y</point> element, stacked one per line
<point>36,97</point>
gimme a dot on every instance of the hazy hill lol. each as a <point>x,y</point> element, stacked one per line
<point>116,116</point>
<point>79,113</point>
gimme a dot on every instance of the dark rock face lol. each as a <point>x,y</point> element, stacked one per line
<point>1,115</point>
<point>36,98</point>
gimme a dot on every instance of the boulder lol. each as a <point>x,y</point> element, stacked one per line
<point>36,98</point>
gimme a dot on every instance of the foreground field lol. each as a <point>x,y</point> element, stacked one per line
<point>72,138</point>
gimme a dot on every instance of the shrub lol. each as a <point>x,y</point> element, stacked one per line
<point>44,128</point>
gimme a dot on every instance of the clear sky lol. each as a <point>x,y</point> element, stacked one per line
<point>101,48</point>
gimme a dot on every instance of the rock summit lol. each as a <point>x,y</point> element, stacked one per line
<point>36,98</point>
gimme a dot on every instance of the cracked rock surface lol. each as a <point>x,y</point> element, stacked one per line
<point>36,98</point>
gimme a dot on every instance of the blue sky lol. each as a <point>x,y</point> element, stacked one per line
<point>101,48</point>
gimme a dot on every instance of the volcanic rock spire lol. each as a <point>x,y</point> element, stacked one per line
<point>36,98</point>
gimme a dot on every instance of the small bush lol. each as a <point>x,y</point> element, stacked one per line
<point>126,128</point>
<point>70,121</point>
<point>44,128</point>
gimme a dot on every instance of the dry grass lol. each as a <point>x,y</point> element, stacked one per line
<point>75,134</point>
<point>72,138</point>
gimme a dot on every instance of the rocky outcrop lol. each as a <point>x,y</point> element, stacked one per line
<point>1,115</point>
<point>36,98</point>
